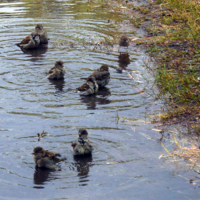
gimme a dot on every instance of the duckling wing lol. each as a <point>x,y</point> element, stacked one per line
<point>95,72</point>
<point>73,144</point>
<point>51,70</point>
<point>47,162</point>
<point>26,40</point>
<point>51,154</point>
<point>102,75</point>
<point>84,87</point>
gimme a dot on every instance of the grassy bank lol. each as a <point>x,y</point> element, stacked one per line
<point>173,41</point>
<point>175,45</point>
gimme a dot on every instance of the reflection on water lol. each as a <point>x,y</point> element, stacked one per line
<point>35,52</point>
<point>42,175</point>
<point>125,160</point>
<point>59,84</point>
<point>124,60</point>
<point>101,98</point>
<point>82,166</point>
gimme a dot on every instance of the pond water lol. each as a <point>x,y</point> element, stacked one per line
<point>125,163</point>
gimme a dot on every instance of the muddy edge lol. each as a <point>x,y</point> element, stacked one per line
<point>171,57</point>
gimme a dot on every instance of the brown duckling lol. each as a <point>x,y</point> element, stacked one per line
<point>82,146</point>
<point>45,159</point>
<point>31,42</point>
<point>102,76</point>
<point>88,88</point>
<point>43,34</point>
<point>43,38</point>
<point>124,41</point>
<point>56,72</point>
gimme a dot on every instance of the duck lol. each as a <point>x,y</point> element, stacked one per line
<point>45,159</point>
<point>56,72</point>
<point>102,76</point>
<point>82,146</point>
<point>88,88</point>
<point>43,34</point>
<point>31,42</point>
<point>124,41</point>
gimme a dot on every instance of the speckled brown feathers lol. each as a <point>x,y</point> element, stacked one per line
<point>124,41</point>
<point>102,76</point>
<point>30,42</point>
<point>56,72</point>
<point>45,159</point>
<point>84,87</point>
<point>26,40</point>
<point>82,146</point>
<point>88,88</point>
<point>43,34</point>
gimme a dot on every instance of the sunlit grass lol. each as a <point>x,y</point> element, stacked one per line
<point>190,152</point>
<point>175,46</point>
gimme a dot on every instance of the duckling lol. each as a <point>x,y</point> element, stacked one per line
<point>102,76</point>
<point>82,146</point>
<point>88,88</point>
<point>45,159</point>
<point>123,41</point>
<point>31,42</point>
<point>43,34</point>
<point>56,72</point>
<point>39,29</point>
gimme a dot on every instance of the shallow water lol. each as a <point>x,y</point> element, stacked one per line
<point>125,163</point>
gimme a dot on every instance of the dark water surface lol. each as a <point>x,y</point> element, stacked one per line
<point>125,163</point>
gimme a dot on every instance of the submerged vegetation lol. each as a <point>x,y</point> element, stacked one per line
<point>191,152</point>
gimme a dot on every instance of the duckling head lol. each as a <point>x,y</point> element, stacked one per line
<point>59,63</point>
<point>38,150</point>
<point>103,68</point>
<point>39,28</point>
<point>83,133</point>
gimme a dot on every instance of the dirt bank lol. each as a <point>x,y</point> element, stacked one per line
<point>172,40</point>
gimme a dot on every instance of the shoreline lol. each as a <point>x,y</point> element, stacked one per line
<point>177,74</point>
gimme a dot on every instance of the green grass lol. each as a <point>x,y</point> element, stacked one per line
<point>177,52</point>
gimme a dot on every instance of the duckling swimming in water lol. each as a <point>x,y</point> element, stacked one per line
<point>56,72</point>
<point>88,88</point>
<point>42,33</point>
<point>31,42</point>
<point>102,76</point>
<point>45,159</point>
<point>124,41</point>
<point>82,146</point>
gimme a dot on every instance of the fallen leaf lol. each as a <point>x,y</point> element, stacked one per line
<point>134,39</point>
<point>154,129</point>
<point>131,76</point>
<point>111,163</point>
<point>140,91</point>
<point>160,156</point>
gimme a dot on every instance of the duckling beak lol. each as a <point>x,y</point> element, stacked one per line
<point>80,135</point>
<point>34,153</point>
